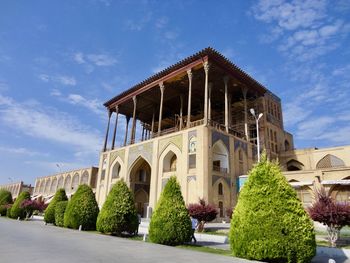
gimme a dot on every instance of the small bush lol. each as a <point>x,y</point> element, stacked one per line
<point>3,210</point>
<point>170,223</point>
<point>16,210</point>
<point>59,213</point>
<point>82,209</point>
<point>118,213</point>
<point>5,197</point>
<point>269,222</point>
<point>49,216</point>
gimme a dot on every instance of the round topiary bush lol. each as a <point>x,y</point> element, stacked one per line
<point>16,210</point>
<point>170,223</point>
<point>5,199</point>
<point>269,222</point>
<point>82,209</point>
<point>49,216</point>
<point>118,213</point>
<point>60,209</point>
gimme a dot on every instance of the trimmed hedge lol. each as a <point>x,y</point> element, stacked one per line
<point>49,216</point>
<point>3,210</point>
<point>82,209</point>
<point>16,210</point>
<point>269,222</point>
<point>170,223</point>
<point>118,213</point>
<point>60,209</point>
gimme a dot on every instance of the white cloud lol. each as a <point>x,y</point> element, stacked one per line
<point>93,105</point>
<point>48,124</point>
<point>101,59</point>
<point>139,24</point>
<point>20,151</point>
<point>79,58</point>
<point>304,28</point>
<point>61,79</point>
<point>161,22</point>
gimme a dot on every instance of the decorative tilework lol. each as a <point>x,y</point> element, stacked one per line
<point>114,155</point>
<point>176,140</point>
<point>240,144</point>
<point>144,150</point>
<point>191,177</point>
<point>215,136</point>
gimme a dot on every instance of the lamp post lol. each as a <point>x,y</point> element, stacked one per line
<point>257,118</point>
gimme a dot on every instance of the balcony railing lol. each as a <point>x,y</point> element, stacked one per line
<point>219,169</point>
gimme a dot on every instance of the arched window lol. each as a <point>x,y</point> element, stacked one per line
<point>75,182</point>
<point>115,170</point>
<point>85,178</point>
<point>60,183</point>
<point>142,176</point>
<point>169,162</point>
<point>220,190</point>
<point>286,145</point>
<point>53,186</point>
<point>220,157</point>
<point>67,183</point>
<point>294,165</point>
<point>330,161</point>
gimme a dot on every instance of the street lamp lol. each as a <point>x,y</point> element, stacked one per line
<point>257,118</point>
<point>59,167</point>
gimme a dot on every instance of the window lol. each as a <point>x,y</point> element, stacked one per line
<point>115,171</point>
<point>192,161</point>
<point>142,176</point>
<point>220,190</point>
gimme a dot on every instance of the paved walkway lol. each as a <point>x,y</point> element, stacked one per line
<point>32,241</point>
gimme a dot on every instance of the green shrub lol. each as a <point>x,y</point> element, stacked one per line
<point>118,213</point>
<point>49,216</point>
<point>82,209</point>
<point>3,210</point>
<point>60,209</point>
<point>170,223</point>
<point>8,212</point>
<point>16,210</point>
<point>5,197</point>
<point>269,222</point>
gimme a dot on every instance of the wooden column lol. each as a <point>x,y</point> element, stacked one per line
<point>143,132</point>
<point>244,91</point>
<point>229,110</point>
<point>226,78</point>
<point>133,132</point>
<point>106,138</point>
<point>206,69</point>
<point>126,129</point>
<point>189,74</point>
<point>210,85</point>
<point>152,126</point>
<point>181,106</point>
<point>161,86</point>
<point>115,126</point>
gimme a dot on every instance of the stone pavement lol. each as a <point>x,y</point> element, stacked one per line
<point>32,241</point>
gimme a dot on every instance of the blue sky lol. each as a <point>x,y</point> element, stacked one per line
<point>60,60</point>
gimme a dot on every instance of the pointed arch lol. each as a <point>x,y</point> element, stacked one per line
<point>75,181</point>
<point>117,168</point>
<point>220,157</point>
<point>168,159</point>
<point>330,161</point>
<point>67,183</point>
<point>47,186</point>
<point>84,178</point>
<point>221,196</point>
<point>53,185</point>
<point>60,182</point>
<point>294,165</point>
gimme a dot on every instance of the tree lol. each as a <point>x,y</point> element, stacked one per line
<point>29,206</point>
<point>202,212</point>
<point>170,223</point>
<point>118,213</point>
<point>49,216</point>
<point>269,222</point>
<point>82,209</point>
<point>60,209</point>
<point>334,215</point>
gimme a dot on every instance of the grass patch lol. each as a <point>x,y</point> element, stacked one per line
<point>213,232</point>
<point>216,251</point>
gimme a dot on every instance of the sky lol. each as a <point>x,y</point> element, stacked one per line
<point>61,60</point>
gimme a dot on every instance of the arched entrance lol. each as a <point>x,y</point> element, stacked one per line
<point>140,179</point>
